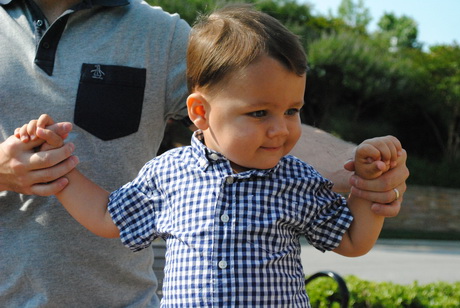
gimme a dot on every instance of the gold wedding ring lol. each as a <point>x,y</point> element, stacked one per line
<point>397,193</point>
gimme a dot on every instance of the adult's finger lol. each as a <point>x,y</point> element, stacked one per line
<point>48,181</point>
<point>50,188</point>
<point>380,197</point>
<point>49,158</point>
<point>387,210</point>
<point>349,165</point>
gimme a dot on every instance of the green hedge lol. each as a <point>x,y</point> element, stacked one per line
<point>365,294</point>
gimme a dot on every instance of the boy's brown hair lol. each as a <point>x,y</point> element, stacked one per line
<point>233,37</point>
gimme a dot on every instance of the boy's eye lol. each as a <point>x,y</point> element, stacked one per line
<point>258,113</point>
<point>292,111</point>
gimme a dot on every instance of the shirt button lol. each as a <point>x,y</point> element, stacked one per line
<point>223,264</point>
<point>214,156</point>
<point>39,23</point>
<point>46,45</point>
<point>224,218</point>
<point>230,180</point>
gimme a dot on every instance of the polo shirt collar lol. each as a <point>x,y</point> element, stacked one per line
<point>93,2</point>
<point>110,2</point>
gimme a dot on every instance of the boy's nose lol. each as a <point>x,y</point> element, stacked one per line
<point>278,128</point>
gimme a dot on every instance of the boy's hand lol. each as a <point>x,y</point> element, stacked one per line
<point>44,128</point>
<point>375,156</point>
<point>381,191</point>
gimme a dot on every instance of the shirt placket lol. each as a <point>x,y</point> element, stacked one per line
<point>48,42</point>
<point>224,286</point>
<point>47,37</point>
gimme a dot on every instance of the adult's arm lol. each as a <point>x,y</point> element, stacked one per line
<point>328,155</point>
<point>23,170</point>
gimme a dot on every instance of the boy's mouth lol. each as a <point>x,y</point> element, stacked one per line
<point>271,148</point>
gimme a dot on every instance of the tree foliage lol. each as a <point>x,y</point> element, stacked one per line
<point>354,14</point>
<point>348,77</point>
<point>443,66</point>
<point>399,31</point>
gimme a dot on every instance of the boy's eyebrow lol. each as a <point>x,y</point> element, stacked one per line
<point>267,103</point>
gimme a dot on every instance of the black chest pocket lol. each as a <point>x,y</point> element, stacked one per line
<point>109,100</point>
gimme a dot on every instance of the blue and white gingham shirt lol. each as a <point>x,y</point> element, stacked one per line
<point>232,239</point>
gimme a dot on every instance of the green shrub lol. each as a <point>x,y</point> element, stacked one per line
<point>433,172</point>
<point>364,294</point>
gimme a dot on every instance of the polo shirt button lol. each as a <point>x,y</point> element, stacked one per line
<point>46,45</point>
<point>224,218</point>
<point>39,23</point>
<point>223,264</point>
<point>214,156</point>
<point>229,180</point>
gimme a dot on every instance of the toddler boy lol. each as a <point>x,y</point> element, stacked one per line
<point>233,205</point>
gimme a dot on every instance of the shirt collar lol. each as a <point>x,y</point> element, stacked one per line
<point>203,155</point>
<point>110,2</point>
<point>206,157</point>
<point>93,2</point>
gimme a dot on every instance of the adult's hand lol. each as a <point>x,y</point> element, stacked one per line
<point>381,190</point>
<point>26,171</point>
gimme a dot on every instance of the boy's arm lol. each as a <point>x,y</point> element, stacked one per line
<point>373,157</point>
<point>364,230</point>
<point>87,203</point>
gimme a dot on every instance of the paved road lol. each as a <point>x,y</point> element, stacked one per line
<point>398,261</point>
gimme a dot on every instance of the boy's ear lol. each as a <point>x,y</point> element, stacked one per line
<point>196,110</point>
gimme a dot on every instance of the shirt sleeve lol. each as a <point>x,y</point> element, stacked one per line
<point>176,83</point>
<point>134,209</point>
<point>329,217</point>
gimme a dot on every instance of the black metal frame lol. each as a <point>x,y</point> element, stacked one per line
<point>344,295</point>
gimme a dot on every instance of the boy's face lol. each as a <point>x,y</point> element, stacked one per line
<point>254,120</point>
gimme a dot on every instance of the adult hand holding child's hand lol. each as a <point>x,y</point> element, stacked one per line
<point>24,170</point>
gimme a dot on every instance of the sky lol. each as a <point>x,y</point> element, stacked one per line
<point>438,20</point>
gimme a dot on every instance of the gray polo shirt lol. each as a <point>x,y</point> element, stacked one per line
<point>117,70</point>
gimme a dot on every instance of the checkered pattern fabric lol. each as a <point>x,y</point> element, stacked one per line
<point>232,239</point>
